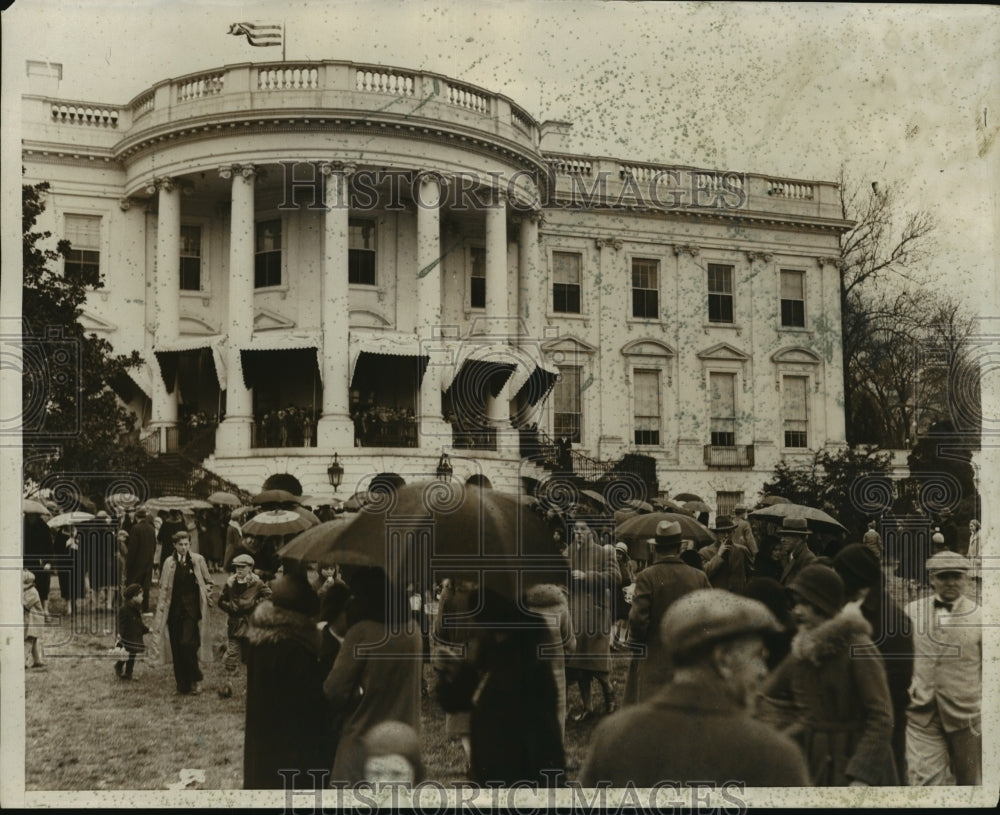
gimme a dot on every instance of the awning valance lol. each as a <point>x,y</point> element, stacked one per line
<point>500,356</point>
<point>166,354</point>
<point>135,378</point>
<point>533,378</point>
<point>385,343</point>
<point>251,356</point>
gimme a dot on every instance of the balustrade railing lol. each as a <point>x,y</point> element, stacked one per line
<point>395,83</point>
<point>520,120</point>
<point>789,189</point>
<point>288,78</point>
<point>198,87</point>
<point>68,113</point>
<point>468,98</point>
<point>143,105</point>
<point>568,166</point>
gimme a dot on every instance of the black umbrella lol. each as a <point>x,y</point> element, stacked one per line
<point>637,530</point>
<point>275,497</point>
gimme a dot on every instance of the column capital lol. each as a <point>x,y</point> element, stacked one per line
<point>609,243</point>
<point>686,248</point>
<point>529,216</point>
<point>762,256</point>
<point>835,262</point>
<point>427,176</point>
<point>342,168</point>
<point>247,171</point>
<point>164,183</point>
<point>125,204</point>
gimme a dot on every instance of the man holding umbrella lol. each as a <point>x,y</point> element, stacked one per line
<point>657,587</point>
<point>793,548</point>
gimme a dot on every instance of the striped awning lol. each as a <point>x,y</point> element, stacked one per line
<point>277,342</point>
<point>384,343</point>
<point>534,376</point>
<point>166,355</point>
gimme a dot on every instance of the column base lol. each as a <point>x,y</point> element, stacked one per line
<point>233,436</point>
<point>508,440</point>
<point>335,433</point>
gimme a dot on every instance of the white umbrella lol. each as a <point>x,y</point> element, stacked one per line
<point>70,518</point>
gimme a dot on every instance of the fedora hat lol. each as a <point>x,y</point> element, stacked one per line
<point>723,523</point>
<point>668,533</point>
<point>794,526</point>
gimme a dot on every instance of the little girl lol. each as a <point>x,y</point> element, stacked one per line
<point>34,620</point>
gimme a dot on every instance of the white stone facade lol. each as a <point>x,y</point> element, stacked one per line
<point>438,239</point>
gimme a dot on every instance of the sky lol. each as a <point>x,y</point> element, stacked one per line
<point>908,96</point>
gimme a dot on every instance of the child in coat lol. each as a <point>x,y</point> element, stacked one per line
<point>242,593</point>
<point>34,620</point>
<point>130,629</point>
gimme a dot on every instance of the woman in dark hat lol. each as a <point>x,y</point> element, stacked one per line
<point>830,694</point>
<point>286,717</point>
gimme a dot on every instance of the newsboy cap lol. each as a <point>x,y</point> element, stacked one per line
<point>948,561</point>
<point>243,560</point>
<point>708,616</point>
<point>667,533</point>
<point>794,526</point>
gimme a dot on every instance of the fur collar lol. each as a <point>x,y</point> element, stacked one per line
<point>831,637</point>
<point>270,624</point>
<point>544,595</point>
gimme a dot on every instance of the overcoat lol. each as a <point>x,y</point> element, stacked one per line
<point>200,568</point>
<point>591,604</point>
<point>239,605</point>
<point>687,733</point>
<point>548,601</point>
<point>141,548</point>
<point>286,716</point>
<point>831,695</point>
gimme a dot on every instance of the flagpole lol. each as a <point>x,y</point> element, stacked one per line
<point>284,35</point>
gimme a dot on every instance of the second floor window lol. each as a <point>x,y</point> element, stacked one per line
<point>477,278</point>
<point>793,298</point>
<point>361,252</point>
<point>795,414</point>
<point>645,288</point>
<point>190,258</point>
<point>83,258</point>
<point>720,293</point>
<point>647,407</point>
<point>567,404</point>
<point>723,406</point>
<point>267,254</point>
<point>566,282</point>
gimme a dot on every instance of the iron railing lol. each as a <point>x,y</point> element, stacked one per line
<point>737,457</point>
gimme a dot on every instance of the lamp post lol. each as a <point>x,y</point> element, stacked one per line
<point>335,472</point>
<point>444,468</point>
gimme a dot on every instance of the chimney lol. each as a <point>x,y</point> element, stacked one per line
<point>43,77</point>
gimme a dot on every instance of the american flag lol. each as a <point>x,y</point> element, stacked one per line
<point>258,34</point>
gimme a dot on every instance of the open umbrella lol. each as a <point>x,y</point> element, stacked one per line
<point>448,528</point>
<point>687,496</point>
<point>305,513</point>
<point>169,502</point>
<point>32,507</point>
<point>224,498</point>
<point>666,505</point>
<point>694,507</point>
<point>639,506</point>
<point>771,500</point>
<point>275,497</point>
<point>595,497</point>
<point>70,518</point>
<point>636,531</point>
<point>816,518</point>
<point>276,522</point>
<point>314,543</point>
<point>356,502</point>
<point>120,501</point>
<point>240,512</point>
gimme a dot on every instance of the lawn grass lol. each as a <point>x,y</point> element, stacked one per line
<point>88,730</point>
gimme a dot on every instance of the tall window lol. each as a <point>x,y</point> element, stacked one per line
<point>566,282</point>
<point>726,503</point>
<point>83,260</point>
<point>645,288</point>
<point>793,298</point>
<point>190,258</point>
<point>477,278</point>
<point>647,407</point>
<point>568,410</point>
<point>361,252</point>
<point>723,419</point>
<point>267,256</point>
<point>795,411</point>
<point>720,293</point>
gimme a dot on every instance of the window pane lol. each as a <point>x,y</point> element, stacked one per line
<point>190,274</point>
<point>84,231</point>
<point>566,267</point>
<point>361,234</point>
<point>720,278</point>
<point>566,298</point>
<point>191,241</point>
<point>794,397</point>
<point>791,285</point>
<point>726,502</point>
<point>793,313</point>
<point>360,267</point>
<point>269,236</point>
<point>720,308</point>
<point>477,278</point>
<point>723,387</point>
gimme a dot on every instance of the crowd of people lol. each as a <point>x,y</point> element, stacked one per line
<point>766,663</point>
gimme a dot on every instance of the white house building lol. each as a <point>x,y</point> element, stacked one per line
<point>329,257</point>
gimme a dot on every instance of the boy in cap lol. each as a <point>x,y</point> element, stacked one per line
<point>131,629</point>
<point>715,640</point>
<point>657,587</point>
<point>944,741</point>
<point>241,594</point>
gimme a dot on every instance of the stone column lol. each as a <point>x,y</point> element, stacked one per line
<point>335,430</point>
<point>833,375</point>
<point>497,318</point>
<point>434,431</point>
<point>166,296</point>
<point>530,309</point>
<point>234,434</point>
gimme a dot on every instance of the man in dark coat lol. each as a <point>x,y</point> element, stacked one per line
<point>38,553</point>
<point>697,728</point>
<point>286,716</point>
<point>793,548</point>
<point>172,524</point>
<point>860,570</point>
<point>141,549</point>
<point>657,587</point>
<point>726,563</point>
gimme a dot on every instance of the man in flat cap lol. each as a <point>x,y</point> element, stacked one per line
<point>697,728</point>
<point>241,594</point>
<point>793,548</point>
<point>944,737</point>
<point>657,587</point>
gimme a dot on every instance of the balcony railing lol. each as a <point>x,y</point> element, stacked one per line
<point>737,457</point>
<point>276,434</point>
<point>483,438</point>
<point>386,433</point>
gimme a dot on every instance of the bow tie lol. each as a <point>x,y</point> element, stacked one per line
<point>942,604</point>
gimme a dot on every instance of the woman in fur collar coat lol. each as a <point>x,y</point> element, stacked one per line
<point>830,694</point>
<point>286,718</point>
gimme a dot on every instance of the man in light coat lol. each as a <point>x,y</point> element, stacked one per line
<point>697,729</point>
<point>743,534</point>
<point>944,736</point>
